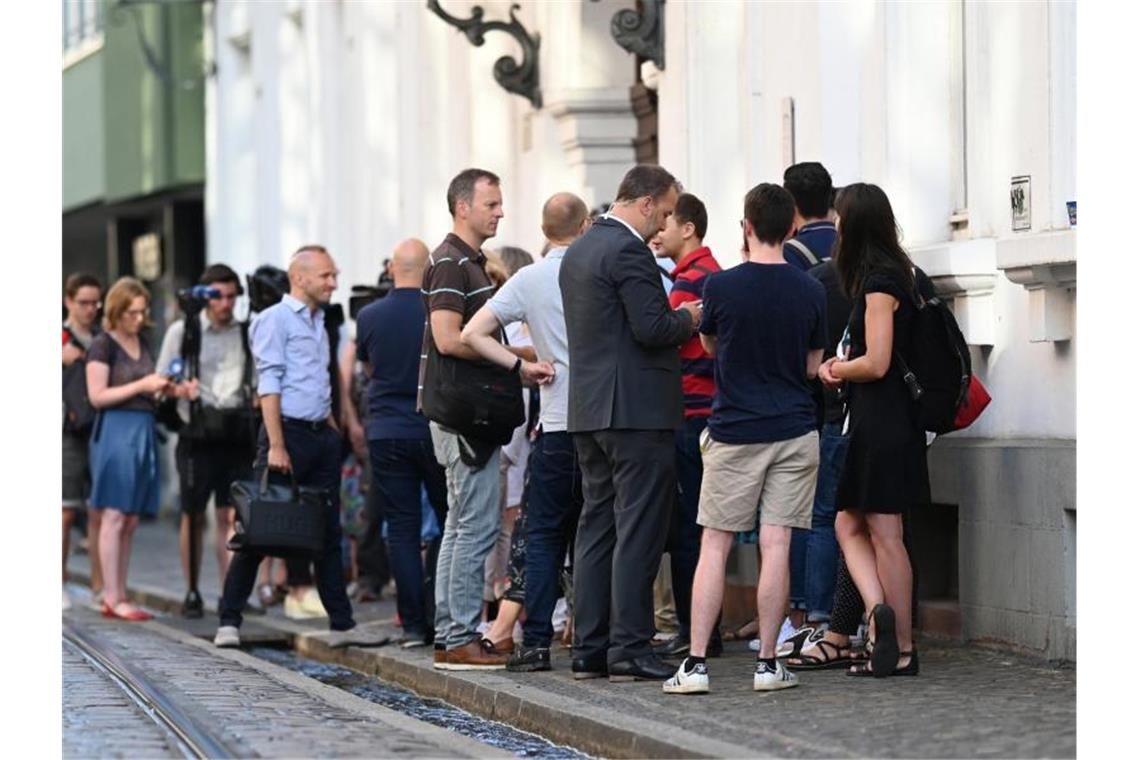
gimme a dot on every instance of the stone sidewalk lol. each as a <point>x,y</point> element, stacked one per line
<point>968,702</point>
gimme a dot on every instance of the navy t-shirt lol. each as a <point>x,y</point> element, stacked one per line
<point>819,237</point>
<point>766,318</point>
<point>390,336</point>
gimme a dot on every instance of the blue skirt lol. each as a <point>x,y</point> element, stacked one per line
<point>124,462</point>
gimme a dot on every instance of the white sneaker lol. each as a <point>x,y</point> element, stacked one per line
<point>786,632</point>
<point>227,636</point>
<point>96,602</point>
<point>66,600</point>
<point>769,679</point>
<point>695,681</point>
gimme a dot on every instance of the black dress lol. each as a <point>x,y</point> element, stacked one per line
<point>885,470</point>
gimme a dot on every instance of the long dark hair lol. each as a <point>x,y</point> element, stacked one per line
<point>868,239</point>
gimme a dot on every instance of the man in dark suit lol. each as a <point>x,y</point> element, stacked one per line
<point>625,403</point>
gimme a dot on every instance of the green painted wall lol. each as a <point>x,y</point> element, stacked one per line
<point>83,133</point>
<point>155,129</point>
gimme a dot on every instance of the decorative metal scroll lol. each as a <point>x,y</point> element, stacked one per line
<point>642,32</point>
<point>521,78</point>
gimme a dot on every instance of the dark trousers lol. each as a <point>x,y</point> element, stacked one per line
<point>684,541</point>
<point>315,455</point>
<point>629,485</point>
<point>399,469</point>
<point>553,505</point>
<point>371,552</point>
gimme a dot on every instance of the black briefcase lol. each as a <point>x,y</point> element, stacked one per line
<point>278,520</point>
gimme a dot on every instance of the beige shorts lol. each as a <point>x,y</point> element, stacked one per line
<point>777,478</point>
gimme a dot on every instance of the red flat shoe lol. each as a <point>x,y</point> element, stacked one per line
<point>134,615</point>
<point>107,611</point>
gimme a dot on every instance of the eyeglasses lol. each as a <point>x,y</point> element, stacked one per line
<point>139,313</point>
<point>89,304</point>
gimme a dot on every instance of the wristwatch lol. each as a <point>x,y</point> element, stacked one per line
<point>518,365</point>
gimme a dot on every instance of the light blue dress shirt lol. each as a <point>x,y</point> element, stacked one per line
<point>291,351</point>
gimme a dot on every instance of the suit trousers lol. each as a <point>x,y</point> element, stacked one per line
<point>629,485</point>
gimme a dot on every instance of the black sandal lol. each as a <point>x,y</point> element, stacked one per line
<point>885,647</point>
<point>863,670</point>
<point>826,660</point>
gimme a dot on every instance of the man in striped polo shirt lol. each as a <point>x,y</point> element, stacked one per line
<point>681,241</point>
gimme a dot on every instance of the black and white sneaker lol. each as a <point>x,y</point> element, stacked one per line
<point>529,660</point>
<point>770,679</point>
<point>693,681</point>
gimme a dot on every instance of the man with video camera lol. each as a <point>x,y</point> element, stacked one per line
<point>209,349</point>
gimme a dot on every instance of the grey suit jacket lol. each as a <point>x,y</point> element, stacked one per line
<point>625,372</point>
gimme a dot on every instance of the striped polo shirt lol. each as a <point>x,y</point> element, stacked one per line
<point>696,366</point>
<point>455,280</point>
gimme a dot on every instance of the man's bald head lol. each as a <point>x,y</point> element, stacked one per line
<point>563,218</point>
<point>409,258</point>
<point>312,275</point>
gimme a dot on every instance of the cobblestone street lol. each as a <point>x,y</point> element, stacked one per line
<point>968,702</point>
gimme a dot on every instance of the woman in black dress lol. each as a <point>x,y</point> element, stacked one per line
<point>885,472</point>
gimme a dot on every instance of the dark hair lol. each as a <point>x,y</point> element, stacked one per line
<point>462,188</point>
<point>770,210</point>
<point>220,273</point>
<point>868,238</point>
<point>810,184</point>
<point>80,280</point>
<point>645,179</point>
<point>691,210</point>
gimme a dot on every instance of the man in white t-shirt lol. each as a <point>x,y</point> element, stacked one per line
<point>554,493</point>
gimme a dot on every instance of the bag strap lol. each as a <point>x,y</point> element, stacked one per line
<point>804,250</point>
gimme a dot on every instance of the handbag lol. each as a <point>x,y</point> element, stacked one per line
<point>278,520</point>
<point>475,399</point>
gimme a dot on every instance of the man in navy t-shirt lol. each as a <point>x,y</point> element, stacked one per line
<point>810,185</point>
<point>389,339</point>
<point>765,322</point>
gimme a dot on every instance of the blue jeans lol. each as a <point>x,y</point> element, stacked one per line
<point>815,552</point>
<point>684,541</point>
<point>399,469</point>
<point>470,531</point>
<point>315,455</point>
<point>553,503</point>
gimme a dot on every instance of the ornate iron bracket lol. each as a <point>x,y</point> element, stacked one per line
<point>642,32</point>
<point>512,76</point>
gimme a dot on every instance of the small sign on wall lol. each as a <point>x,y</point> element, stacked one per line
<point>146,253</point>
<point>1020,202</point>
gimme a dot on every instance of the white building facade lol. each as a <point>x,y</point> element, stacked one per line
<point>342,122</point>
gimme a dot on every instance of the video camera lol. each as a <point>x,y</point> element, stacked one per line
<point>193,300</point>
<point>267,285</point>
<point>362,295</point>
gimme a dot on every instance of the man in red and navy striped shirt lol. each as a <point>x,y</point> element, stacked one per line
<point>681,241</point>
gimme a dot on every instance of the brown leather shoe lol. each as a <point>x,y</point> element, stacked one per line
<point>506,646</point>
<point>477,654</point>
<point>439,658</point>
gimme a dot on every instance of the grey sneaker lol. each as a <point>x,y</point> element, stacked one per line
<point>771,679</point>
<point>227,636</point>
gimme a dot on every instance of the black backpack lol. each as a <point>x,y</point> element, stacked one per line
<point>78,414</point>
<point>937,368</point>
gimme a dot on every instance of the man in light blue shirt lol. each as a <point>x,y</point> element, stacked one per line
<point>299,434</point>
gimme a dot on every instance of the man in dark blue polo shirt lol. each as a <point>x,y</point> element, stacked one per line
<point>389,338</point>
<point>810,186</point>
<point>815,552</point>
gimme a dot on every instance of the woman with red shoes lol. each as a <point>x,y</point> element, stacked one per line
<point>885,471</point>
<point>123,386</point>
